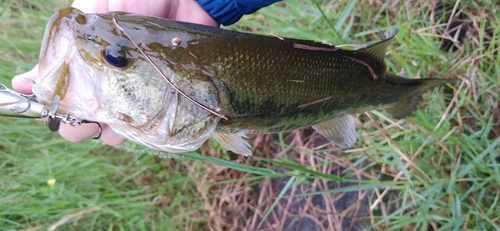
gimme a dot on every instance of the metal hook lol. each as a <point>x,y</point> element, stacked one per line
<point>54,121</point>
<point>99,133</point>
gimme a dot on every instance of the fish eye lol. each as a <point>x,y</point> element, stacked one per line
<point>114,57</point>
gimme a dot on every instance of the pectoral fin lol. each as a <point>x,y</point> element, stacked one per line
<point>340,130</point>
<point>234,142</point>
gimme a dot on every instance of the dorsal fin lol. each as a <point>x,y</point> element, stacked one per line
<point>377,50</point>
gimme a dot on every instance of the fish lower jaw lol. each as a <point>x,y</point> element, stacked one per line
<point>161,141</point>
<point>154,145</point>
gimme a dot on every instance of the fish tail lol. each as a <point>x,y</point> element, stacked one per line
<point>430,83</point>
<point>408,105</point>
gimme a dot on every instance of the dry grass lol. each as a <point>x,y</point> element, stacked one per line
<point>237,202</point>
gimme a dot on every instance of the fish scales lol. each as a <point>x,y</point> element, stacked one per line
<point>268,79</point>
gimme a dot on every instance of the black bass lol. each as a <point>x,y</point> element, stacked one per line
<point>172,85</point>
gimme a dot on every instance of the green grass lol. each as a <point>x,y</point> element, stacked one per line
<point>436,170</point>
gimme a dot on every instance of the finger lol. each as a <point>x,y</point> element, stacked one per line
<point>91,6</point>
<point>22,82</point>
<point>191,11</point>
<point>80,133</point>
<point>88,130</point>
<point>110,137</point>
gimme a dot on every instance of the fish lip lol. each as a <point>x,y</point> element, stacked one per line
<point>54,21</point>
<point>56,49</point>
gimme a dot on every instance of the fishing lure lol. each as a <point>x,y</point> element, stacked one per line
<point>16,104</point>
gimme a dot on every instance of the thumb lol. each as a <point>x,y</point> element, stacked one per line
<point>24,82</point>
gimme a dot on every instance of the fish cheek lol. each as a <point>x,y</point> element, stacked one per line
<point>133,98</point>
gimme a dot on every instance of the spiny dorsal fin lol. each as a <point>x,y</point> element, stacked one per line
<point>388,34</point>
<point>340,130</point>
<point>234,142</point>
<point>378,50</point>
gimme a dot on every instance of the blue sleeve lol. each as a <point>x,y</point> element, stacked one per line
<point>227,12</point>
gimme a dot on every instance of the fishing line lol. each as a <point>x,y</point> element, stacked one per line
<point>163,75</point>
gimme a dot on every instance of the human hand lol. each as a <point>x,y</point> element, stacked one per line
<point>180,10</point>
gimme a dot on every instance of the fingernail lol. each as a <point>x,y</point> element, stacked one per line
<point>22,79</point>
<point>22,84</point>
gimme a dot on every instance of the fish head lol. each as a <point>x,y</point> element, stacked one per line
<point>90,66</point>
<point>101,75</point>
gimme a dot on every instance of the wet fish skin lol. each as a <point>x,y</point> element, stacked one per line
<point>262,84</point>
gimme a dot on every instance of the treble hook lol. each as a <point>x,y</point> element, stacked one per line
<point>99,133</point>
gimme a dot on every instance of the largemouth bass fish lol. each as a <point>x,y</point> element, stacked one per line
<point>172,85</point>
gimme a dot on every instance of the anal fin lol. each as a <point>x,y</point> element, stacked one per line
<point>340,130</point>
<point>234,142</point>
<point>404,107</point>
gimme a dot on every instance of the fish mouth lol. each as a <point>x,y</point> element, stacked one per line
<point>62,71</point>
<point>56,52</point>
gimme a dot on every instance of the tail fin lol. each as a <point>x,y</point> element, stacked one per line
<point>407,106</point>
